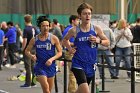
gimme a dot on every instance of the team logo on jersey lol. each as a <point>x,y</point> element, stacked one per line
<point>48,46</point>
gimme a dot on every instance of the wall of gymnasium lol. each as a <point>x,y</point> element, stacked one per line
<point>132,9</point>
<point>16,13</point>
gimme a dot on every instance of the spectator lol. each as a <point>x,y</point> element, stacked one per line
<point>136,32</point>
<point>102,50</point>
<point>28,33</point>
<point>123,38</point>
<point>11,35</point>
<point>57,32</point>
<point>6,61</point>
<point>56,29</point>
<point>19,34</point>
<point>1,47</point>
<point>113,25</point>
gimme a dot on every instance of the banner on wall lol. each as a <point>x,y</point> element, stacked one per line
<point>101,19</point>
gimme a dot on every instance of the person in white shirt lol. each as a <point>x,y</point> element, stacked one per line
<point>123,38</point>
<point>103,50</point>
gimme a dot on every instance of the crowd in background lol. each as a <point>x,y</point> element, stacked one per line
<point>120,33</point>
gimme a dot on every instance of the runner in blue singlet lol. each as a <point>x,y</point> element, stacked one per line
<point>45,43</point>
<point>44,51</point>
<point>84,53</point>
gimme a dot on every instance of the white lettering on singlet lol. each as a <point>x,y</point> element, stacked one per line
<point>83,38</point>
<point>47,46</point>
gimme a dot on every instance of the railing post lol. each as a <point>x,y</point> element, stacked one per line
<point>103,75</point>
<point>132,74</point>
<point>65,76</point>
<point>55,81</point>
<point>93,85</point>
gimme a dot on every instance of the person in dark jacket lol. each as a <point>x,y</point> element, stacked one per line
<point>136,32</point>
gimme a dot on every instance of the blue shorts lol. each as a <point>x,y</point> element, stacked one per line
<point>86,67</point>
<point>45,71</point>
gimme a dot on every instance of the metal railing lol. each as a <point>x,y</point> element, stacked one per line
<point>132,69</point>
